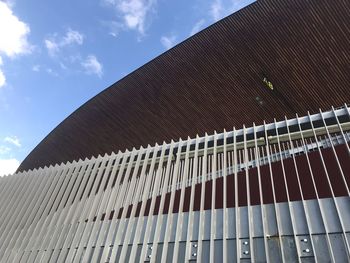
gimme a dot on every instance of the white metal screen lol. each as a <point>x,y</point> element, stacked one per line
<point>269,193</point>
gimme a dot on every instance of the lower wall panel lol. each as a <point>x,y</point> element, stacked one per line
<point>279,241</point>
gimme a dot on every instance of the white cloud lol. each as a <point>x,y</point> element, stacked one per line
<point>13,36</point>
<point>114,27</point>
<point>13,33</point>
<point>2,79</point>
<point>221,8</point>
<point>168,41</point>
<point>8,166</point>
<point>4,149</point>
<point>51,72</point>
<point>13,140</point>
<point>54,44</point>
<point>216,10</point>
<point>52,47</point>
<point>92,66</point>
<point>4,104</point>
<point>197,27</point>
<point>36,68</point>
<point>63,66</point>
<point>2,75</point>
<point>72,37</point>
<point>134,13</point>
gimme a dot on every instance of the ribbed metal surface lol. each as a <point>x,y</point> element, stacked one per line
<point>278,192</point>
<point>214,80</point>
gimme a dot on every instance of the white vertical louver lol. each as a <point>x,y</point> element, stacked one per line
<point>269,193</point>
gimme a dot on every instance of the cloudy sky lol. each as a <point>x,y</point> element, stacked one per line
<point>55,55</point>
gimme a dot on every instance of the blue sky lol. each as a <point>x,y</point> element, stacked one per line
<point>55,55</point>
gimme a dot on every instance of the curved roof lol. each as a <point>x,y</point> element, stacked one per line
<point>215,80</point>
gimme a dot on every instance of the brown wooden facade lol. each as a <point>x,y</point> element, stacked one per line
<point>219,78</point>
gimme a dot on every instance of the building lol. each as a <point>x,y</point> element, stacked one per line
<point>266,191</point>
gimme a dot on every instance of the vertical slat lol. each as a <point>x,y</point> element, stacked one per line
<point>179,223</point>
<point>67,214</point>
<point>15,219</point>
<point>213,197</point>
<point>225,219</point>
<point>15,201</point>
<point>305,210</point>
<point>334,151</point>
<point>117,203</point>
<point>290,209</point>
<point>85,204</point>
<point>19,216</point>
<point>64,236</point>
<point>125,207</point>
<point>171,203</point>
<point>125,193</point>
<point>275,206</point>
<point>203,196</point>
<point>98,209</point>
<point>113,196</point>
<point>162,202</point>
<point>90,212</point>
<point>134,203</point>
<point>75,211</point>
<point>53,201</point>
<point>60,217</point>
<point>250,212</point>
<point>150,217</point>
<point>340,127</point>
<point>32,243</point>
<point>316,190</point>
<point>141,217</point>
<point>56,210</point>
<point>190,211</point>
<point>262,206</point>
<point>36,213</point>
<point>328,179</point>
<point>237,214</point>
<point>15,184</point>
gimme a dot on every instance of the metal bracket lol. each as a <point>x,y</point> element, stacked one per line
<point>194,251</point>
<point>149,252</point>
<point>244,248</point>
<point>304,246</point>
